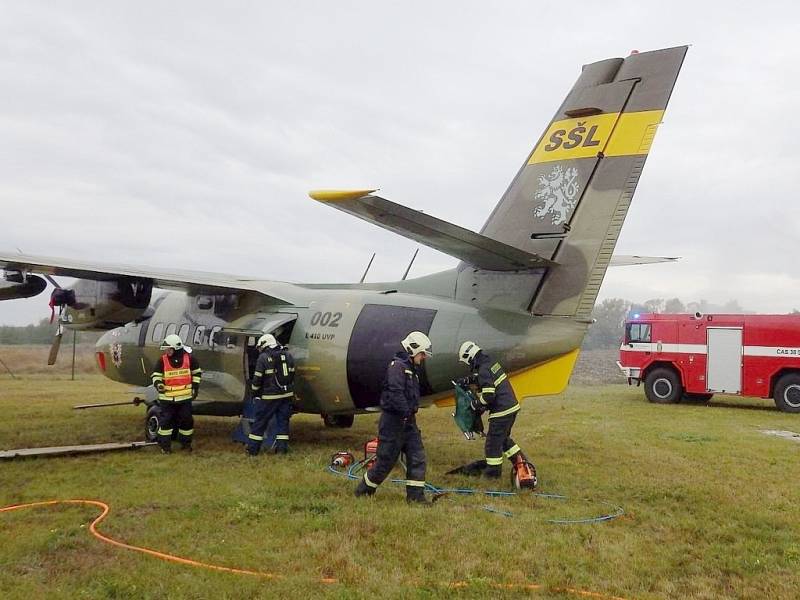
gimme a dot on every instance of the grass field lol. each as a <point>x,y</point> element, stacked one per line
<point>32,360</point>
<point>711,505</point>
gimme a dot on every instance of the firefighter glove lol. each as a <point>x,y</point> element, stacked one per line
<point>465,381</point>
<point>476,405</point>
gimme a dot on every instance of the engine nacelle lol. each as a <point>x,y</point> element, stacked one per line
<point>104,304</point>
<point>15,285</point>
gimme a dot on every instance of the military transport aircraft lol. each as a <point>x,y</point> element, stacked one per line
<point>524,288</point>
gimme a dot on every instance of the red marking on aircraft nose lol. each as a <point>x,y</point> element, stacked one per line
<point>101,361</point>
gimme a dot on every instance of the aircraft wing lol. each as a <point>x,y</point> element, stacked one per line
<point>193,282</point>
<point>623,260</point>
<point>473,248</point>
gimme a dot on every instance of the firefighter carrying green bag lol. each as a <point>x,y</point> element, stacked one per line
<point>495,396</point>
<point>467,420</point>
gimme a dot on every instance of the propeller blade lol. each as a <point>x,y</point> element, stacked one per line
<point>51,359</point>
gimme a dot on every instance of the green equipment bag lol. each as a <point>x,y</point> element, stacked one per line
<point>467,420</point>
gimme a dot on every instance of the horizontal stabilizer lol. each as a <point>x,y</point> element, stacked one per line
<point>473,248</point>
<point>623,260</point>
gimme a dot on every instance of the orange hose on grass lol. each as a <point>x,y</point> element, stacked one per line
<point>161,555</point>
<point>272,576</point>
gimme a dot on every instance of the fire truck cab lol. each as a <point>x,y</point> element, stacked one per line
<point>694,356</point>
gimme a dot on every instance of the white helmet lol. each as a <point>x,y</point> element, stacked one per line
<point>417,342</point>
<point>267,341</point>
<point>468,351</point>
<point>174,341</point>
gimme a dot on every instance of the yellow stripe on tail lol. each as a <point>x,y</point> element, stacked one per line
<point>613,134</point>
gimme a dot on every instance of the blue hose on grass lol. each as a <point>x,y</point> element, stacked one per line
<point>616,512</point>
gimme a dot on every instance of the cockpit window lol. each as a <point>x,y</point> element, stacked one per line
<point>637,332</point>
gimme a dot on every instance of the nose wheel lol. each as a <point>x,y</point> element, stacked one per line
<point>152,423</point>
<point>338,421</point>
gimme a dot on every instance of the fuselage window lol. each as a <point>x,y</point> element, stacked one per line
<point>158,332</point>
<point>225,303</point>
<point>183,332</point>
<point>212,337</point>
<point>638,332</point>
<point>171,328</point>
<point>205,302</point>
<point>197,340</point>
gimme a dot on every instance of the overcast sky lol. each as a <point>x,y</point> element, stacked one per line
<point>187,134</point>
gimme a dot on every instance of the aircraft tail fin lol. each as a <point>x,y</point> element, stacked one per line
<point>569,200</point>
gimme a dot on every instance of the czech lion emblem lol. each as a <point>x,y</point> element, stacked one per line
<point>557,193</point>
<point>116,354</point>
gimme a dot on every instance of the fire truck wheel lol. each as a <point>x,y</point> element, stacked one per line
<point>787,393</point>
<point>663,386</point>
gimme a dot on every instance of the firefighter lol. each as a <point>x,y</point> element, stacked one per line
<point>397,428</point>
<point>496,395</point>
<point>272,390</point>
<point>176,377</point>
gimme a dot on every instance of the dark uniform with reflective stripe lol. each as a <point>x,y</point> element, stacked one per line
<point>497,396</point>
<point>176,409</point>
<point>398,431</point>
<point>271,399</point>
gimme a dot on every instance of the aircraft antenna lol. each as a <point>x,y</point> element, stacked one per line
<point>409,265</point>
<point>364,276</point>
<point>74,343</point>
<point>8,369</point>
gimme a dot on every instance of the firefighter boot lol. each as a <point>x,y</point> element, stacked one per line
<point>165,445</point>
<point>186,446</point>
<point>281,447</point>
<point>493,471</point>
<point>416,495</point>
<point>362,489</point>
<point>251,450</point>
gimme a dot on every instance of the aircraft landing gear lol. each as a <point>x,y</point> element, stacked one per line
<point>338,421</point>
<point>152,423</point>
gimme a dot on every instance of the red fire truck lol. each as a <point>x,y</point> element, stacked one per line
<point>694,356</point>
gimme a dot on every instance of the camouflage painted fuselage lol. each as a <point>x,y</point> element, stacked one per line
<point>342,341</point>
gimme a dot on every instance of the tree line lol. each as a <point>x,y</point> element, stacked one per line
<point>41,333</point>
